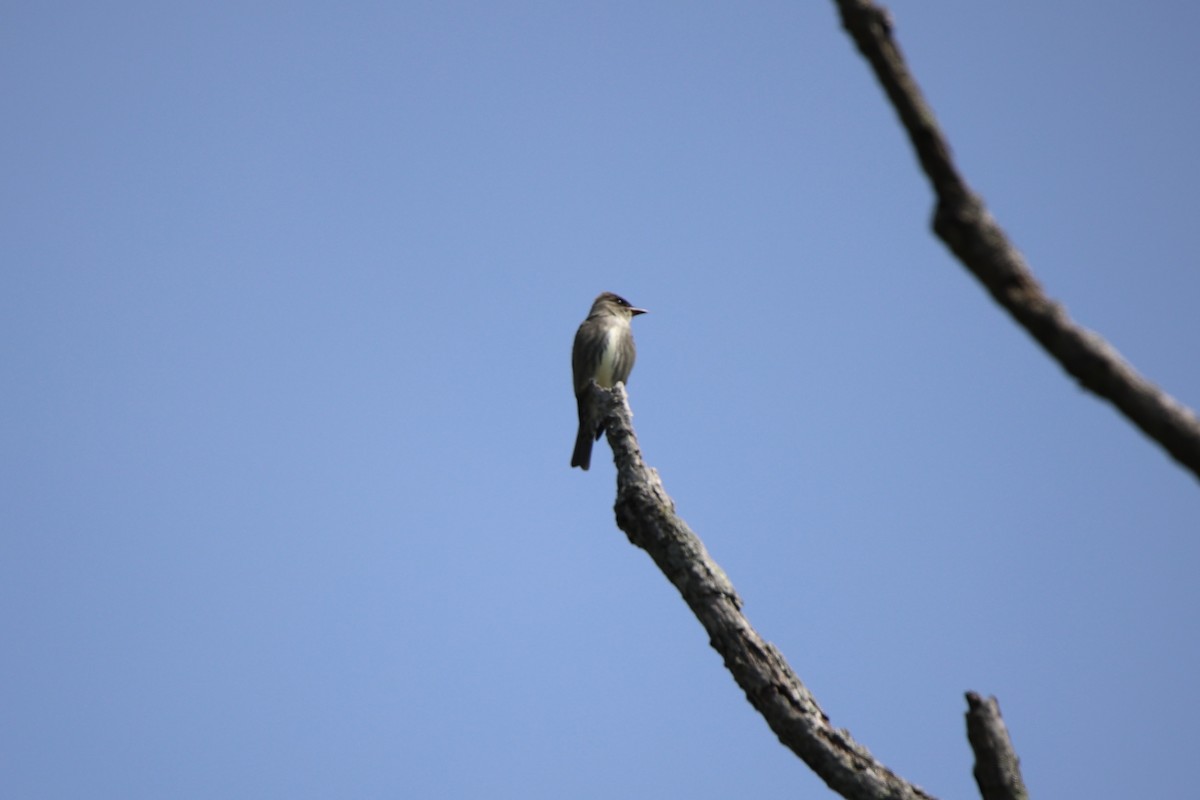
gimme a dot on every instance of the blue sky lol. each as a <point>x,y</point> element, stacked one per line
<point>289,293</point>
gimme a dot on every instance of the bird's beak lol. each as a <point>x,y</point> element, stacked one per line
<point>635,311</point>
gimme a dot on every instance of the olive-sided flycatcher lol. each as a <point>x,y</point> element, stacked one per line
<point>603,353</point>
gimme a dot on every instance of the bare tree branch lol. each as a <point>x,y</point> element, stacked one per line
<point>997,769</point>
<point>963,222</point>
<point>647,515</point>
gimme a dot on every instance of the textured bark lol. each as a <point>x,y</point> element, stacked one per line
<point>647,516</point>
<point>997,769</point>
<point>963,222</point>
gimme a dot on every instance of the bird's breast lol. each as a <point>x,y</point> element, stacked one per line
<point>609,355</point>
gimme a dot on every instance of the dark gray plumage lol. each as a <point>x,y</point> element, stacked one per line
<point>603,352</point>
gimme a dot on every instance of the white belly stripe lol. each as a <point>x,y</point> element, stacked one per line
<point>608,361</point>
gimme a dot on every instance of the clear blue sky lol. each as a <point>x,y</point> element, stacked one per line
<point>288,298</point>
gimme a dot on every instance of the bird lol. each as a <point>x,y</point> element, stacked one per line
<point>604,352</point>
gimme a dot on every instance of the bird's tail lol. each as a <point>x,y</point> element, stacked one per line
<point>582,457</point>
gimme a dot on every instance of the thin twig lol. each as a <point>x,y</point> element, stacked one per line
<point>963,222</point>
